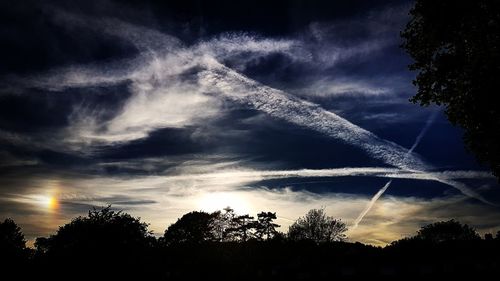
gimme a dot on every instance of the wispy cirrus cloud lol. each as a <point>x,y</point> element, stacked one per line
<point>194,74</point>
<point>161,73</point>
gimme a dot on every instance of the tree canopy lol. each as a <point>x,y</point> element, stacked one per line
<point>200,227</point>
<point>11,235</point>
<point>265,228</point>
<point>193,227</point>
<point>455,48</point>
<point>12,242</point>
<point>103,230</point>
<point>447,231</point>
<point>442,249</point>
<point>318,227</point>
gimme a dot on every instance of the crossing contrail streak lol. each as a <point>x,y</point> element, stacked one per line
<point>240,89</point>
<point>424,131</point>
<point>370,205</point>
<point>377,195</point>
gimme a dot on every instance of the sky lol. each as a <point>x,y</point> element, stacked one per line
<point>159,109</point>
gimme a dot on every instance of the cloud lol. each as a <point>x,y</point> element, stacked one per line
<point>328,87</point>
<point>278,104</point>
<point>255,175</point>
<point>164,91</point>
<point>458,185</point>
<point>164,198</point>
<point>9,160</point>
<point>176,86</point>
<point>378,88</point>
<point>161,200</point>
<point>245,48</point>
<point>407,215</point>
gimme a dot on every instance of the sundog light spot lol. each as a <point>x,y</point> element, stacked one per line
<point>50,202</point>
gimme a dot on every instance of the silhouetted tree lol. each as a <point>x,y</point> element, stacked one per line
<point>454,45</point>
<point>243,227</point>
<point>264,227</point>
<point>86,249</point>
<point>11,236</point>
<point>42,245</point>
<point>105,243</point>
<point>12,242</point>
<point>193,227</point>
<point>102,231</point>
<point>223,224</point>
<point>447,231</point>
<point>318,227</point>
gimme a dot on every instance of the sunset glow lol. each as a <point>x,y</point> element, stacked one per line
<point>211,202</point>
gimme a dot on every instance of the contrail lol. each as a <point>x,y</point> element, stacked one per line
<point>428,124</point>
<point>370,204</point>
<point>382,172</point>
<point>166,52</point>
<point>278,104</point>
<point>377,195</point>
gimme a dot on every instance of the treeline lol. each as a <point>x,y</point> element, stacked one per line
<point>108,244</point>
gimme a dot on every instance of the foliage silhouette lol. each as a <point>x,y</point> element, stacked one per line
<point>450,231</point>
<point>105,238</point>
<point>488,236</point>
<point>265,228</point>
<point>193,227</point>
<point>243,228</point>
<point>454,45</point>
<point>102,229</point>
<point>11,237</point>
<point>445,249</point>
<point>224,224</point>
<point>447,231</point>
<point>201,227</point>
<point>318,227</point>
<point>12,244</point>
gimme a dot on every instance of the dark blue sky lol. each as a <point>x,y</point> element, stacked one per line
<point>162,108</point>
